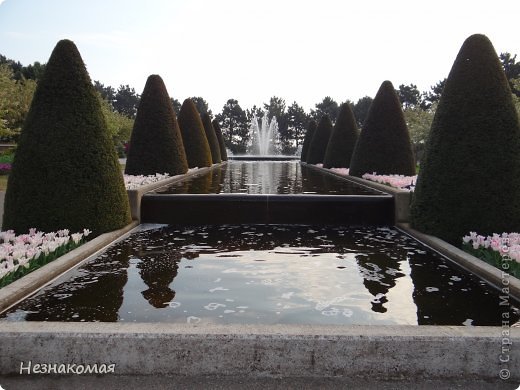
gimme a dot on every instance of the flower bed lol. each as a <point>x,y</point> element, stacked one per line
<point>501,251</point>
<point>20,255</point>
<point>132,182</point>
<point>401,182</point>
<point>5,168</point>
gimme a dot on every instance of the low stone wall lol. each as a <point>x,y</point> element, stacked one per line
<point>376,352</point>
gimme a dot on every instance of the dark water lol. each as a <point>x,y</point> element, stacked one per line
<point>266,177</point>
<point>260,274</point>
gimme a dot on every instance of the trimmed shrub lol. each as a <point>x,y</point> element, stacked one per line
<point>194,138</point>
<point>470,175</point>
<point>212,138</point>
<point>156,142</point>
<point>342,140</point>
<point>384,144</point>
<point>311,129</point>
<point>220,138</point>
<point>320,141</point>
<point>66,174</point>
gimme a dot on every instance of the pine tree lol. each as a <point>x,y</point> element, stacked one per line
<point>311,129</point>
<point>212,138</point>
<point>194,138</point>
<point>384,144</point>
<point>343,140</point>
<point>156,142</point>
<point>470,175</point>
<point>65,174</point>
<point>220,138</point>
<point>320,141</point>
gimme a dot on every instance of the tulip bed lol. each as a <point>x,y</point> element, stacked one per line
<point>500,250</point>
<point>402,182</point>
<point>135,181</point>
<point>22,254</point>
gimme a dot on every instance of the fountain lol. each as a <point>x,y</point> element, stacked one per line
<point>264,137</point>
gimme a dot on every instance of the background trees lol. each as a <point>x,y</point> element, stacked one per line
<point>235,127</point>
<point>15,100</point>
<point>327,106</point>
<point>119,105</point>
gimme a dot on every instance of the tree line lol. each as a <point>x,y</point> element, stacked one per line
<point>18,82</point>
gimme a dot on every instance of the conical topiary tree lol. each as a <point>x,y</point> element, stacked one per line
<point>220,138</point>
<point>311,129</point>
<point>470,175</point>
<point>65,174</point>
<point>342,140</point>
<point>212,138</point>
<point>319,141</point>
<point>194,138</point>
<point>384,144</point>
<point>156,142</point>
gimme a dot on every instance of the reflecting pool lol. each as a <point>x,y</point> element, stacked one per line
<point>267,274</point>
<point>266,177</point>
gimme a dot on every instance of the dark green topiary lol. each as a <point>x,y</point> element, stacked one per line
<point>319,141</point>
<point>212,138</point>
<point>65,173</point>
<point>343,139</point>
<point>470,175</point>
<point>220,138</point>
<point>196,144</point>
<point>311,129</point>
<point>156,142</point>
<point>384,144</point>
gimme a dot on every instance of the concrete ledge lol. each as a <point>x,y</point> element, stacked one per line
<point>471,263</point>
<point>402,198</point>
<point>134,196</point>
<point>377,352</point>
<point>23,287</point>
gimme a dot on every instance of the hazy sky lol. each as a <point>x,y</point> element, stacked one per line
<point>298,50</point>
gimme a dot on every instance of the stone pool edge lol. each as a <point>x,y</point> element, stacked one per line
<point>30,283</point>
<point>377,352</point>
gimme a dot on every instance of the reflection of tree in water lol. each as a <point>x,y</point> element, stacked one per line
<point>379,272</point>
<point>84,297</point>
<point>439,289</point>
<point>380,267</point>
<point>157,273</point>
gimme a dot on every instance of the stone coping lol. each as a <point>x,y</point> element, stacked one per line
<point>30,283</point>
<point>378,352</point>
<point>490,274</point>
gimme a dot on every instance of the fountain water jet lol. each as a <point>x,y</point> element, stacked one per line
<point>264,137</point>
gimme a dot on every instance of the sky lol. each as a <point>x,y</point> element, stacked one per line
<point>248,50</point>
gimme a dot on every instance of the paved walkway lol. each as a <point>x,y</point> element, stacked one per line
<point>237,383</point>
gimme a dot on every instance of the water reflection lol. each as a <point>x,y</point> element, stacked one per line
<point>258,274</point>
<point>92,293</point>
<point>265,177</point>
